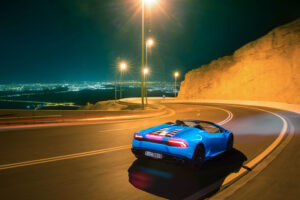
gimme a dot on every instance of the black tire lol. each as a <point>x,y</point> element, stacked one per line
<point>229,143</point>
<point>199,155</point>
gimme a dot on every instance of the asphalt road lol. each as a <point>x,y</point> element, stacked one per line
<point>98,163</point>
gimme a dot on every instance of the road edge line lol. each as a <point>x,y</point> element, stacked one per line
<point>232,187</point>
<point>228,181</point>
<point>63,157</point>
<point>90,153</point>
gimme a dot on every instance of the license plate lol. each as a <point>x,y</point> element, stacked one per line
<point>153,155</point>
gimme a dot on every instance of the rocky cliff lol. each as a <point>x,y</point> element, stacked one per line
<point>266,69</point>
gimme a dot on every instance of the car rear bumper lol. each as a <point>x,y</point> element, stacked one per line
<point>139,152</point>
<point>164,149</point>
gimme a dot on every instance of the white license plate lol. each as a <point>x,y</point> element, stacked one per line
<point>153,155</point>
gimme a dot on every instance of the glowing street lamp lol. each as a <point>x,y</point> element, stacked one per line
<point>150,2</point>
<point>149,44</point>
<point>176,74</point>
<point>146,71</point>
<point>123,67</point>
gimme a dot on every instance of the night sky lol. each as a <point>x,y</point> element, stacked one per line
<point>83,40</point>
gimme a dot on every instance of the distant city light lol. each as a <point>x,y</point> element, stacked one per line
<point>29,91</point>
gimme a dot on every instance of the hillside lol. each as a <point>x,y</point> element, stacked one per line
<point>266,69</point>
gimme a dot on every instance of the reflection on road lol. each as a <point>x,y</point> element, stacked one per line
<point>174,181</point>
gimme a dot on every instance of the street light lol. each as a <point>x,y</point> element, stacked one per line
<point>146,71</point>
<point>148,3</point>
<point>149,43</point>
<point>176,74</point>
<point>143,43</point>
<point>123,67</point>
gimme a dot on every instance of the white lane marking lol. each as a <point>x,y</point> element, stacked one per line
<point>251,164</point>
<point>226,192</point>
<point>254,162</point>
<point>65,157</point>
<point>258,158</point>
<point>88,153</point>
<point>229,117</point>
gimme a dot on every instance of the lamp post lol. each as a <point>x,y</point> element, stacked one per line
<point>115,85</point>
<point>143,41</point>
<point>176,74</point>
<point>146,71</point>
<point>123,67</point>
<point>148,2</point>
<point>149,43</point>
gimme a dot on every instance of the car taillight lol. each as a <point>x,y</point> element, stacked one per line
<point>177,143</point>
<point>154,136</point>
<point>138,137</point>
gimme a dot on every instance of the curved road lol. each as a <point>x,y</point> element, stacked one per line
<point>95,161</point>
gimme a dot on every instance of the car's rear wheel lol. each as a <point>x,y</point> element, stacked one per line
<point>229,142</point>
<point>199,155</point>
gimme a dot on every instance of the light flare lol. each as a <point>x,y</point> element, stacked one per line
<point>123,66</point>
<point>146,71</point>
<point>150,42</point>
<point>149,2</point>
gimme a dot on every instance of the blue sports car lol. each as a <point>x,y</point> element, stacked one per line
<point>189,141</point>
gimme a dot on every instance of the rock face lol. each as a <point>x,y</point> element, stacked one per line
<point>267,69</point>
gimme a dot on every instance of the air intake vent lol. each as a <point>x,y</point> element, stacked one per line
<point>164,132</point>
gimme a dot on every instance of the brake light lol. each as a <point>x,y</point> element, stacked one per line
<point>177,143</point>
<point>138,137</point>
